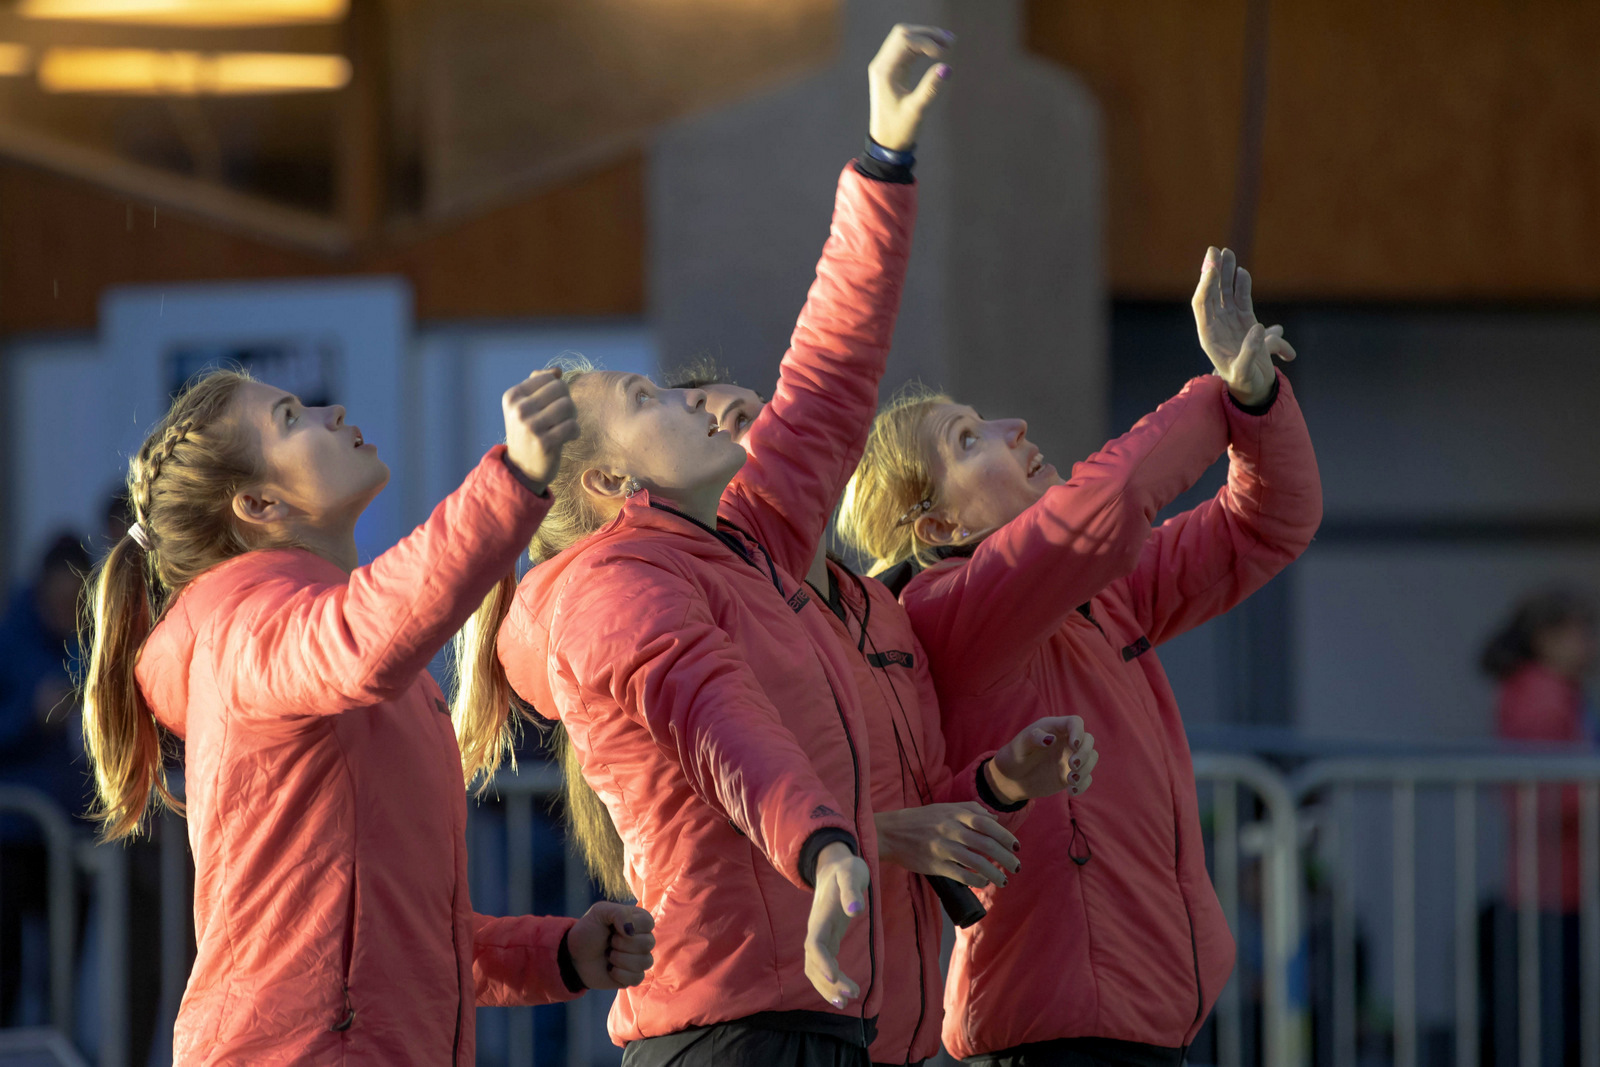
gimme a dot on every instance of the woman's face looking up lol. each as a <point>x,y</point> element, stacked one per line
<point>664,438</point>
<point>985,473</point>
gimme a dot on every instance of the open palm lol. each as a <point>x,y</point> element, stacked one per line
<point>1238,346</point>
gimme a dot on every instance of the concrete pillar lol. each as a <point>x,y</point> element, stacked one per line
<point>1005,304</point>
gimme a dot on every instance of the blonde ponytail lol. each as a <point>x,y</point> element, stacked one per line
<point>119,732</point>
<point>180,488</point>
<point>893,484</point>
<point>486,725</point>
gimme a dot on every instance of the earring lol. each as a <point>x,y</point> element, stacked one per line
<point>964,533</point>
<point>631,487</point>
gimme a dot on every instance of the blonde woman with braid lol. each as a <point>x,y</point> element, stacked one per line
<point>324,795</point>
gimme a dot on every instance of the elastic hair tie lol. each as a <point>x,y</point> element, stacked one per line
<point>140,538</point>
<point>912,512</point>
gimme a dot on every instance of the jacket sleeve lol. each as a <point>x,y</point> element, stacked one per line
<point>514,960</point>
<point>1203,562</point>
<point>640,637</point>
<point>806,442</point>
<point>984,616</point>
<point>285,647</point>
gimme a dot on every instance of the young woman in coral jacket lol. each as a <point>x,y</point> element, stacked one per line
<point>325,799</point>
<point>950,826</point>
<point>707,705</point>
<point>1041,596</point>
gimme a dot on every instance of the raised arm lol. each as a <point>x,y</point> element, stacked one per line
<point>668,666</point>
<point>807,440</point>
<point>1204,562</point>
<point>283,647</point>
<point>985,615</point>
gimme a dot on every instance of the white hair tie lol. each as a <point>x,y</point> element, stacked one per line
<point>142,539</point>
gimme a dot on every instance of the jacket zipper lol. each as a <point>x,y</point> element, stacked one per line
<point>1177,858</point>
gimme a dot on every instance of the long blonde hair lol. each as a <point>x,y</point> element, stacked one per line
<point>487,726</point>
<point>180,489</point>
<point>893,484</point>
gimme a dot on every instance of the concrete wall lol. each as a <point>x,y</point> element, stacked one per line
<point>1005,298</point>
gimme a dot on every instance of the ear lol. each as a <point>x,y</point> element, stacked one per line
<point>932,528</point>
<point>254,507</point>
<point>605,485</point>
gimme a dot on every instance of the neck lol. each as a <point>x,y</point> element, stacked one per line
<point>698,505</point>
<point>818,574</point>
<point>336,545</point>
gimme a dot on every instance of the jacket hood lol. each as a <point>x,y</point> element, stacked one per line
<point>528,623</point>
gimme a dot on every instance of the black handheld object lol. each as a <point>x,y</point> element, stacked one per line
<point>959,901</point>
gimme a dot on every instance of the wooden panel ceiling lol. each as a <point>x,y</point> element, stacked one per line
<point>1412,149</point>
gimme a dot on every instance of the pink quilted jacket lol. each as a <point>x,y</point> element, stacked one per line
<point>1111,929</point>
<point>712,710</point>
<point>325,803</point>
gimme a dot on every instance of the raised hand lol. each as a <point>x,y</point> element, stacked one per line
<point>960,841</point>
<point>896,108</point>
<point>840,895</point>
<point>611,945</point>
<point>1238,346</point>
<point>540,418</point>
<point>1037,763</point>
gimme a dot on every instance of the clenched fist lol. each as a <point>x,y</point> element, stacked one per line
<point>611,945</point>
<point>540,418</point>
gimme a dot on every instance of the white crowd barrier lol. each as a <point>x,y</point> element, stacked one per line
<point>1267,833</point>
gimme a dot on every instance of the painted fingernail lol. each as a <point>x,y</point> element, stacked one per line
<point>838,1002</point>
<point>1049,739</point>
<point>1017,847</point>
<point>1077,763</point>
<point>1074,776</point>
<point>627,928</point>
<point>1077,744</point>
<point>852,908</point>
<point>944,70</point>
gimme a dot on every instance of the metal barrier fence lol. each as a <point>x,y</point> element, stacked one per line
<point>1325,790</point>
<point>1266,831</point>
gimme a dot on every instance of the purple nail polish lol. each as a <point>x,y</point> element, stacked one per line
<point>627,928</point>
<point>852,908</point>
<point>1049,739</point>
<point>944,70</point>
<point>1017,847</point>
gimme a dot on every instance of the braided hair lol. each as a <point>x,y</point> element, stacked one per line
<point>181,485</point>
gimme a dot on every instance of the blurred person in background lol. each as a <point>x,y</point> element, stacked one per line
<point>1540,657</point>
<point>39,745</point>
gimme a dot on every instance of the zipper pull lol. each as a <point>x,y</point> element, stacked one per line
<point>350,1015</point>
<point>1078,835</point>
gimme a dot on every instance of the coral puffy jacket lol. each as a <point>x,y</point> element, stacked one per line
<point>908,770</point>
<point>1538,705</point>
<point>1111,929</point>
<point>325,802</point>
<point>711,710</point>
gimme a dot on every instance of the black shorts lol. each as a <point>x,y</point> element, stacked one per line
<point>1081,1052</point>
<point>774,1039</point>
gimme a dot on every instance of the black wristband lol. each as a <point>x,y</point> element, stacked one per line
<point>1261,408</point>
<point>812,849</point>
<point>987,795</point>
<point>883,169</point>
<point>569,970</point>
<point>527,483</point>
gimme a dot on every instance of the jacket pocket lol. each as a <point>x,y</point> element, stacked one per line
<point>347,1012</point>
